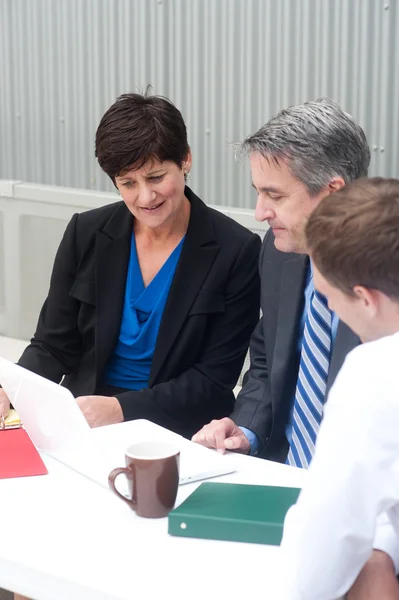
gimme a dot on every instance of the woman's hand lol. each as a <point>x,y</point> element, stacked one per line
<point>100,410</point>
<point>4,403</point>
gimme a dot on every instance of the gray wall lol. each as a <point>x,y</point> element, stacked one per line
<point>228,65</point>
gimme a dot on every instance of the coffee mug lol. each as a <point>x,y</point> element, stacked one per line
<point>152,471</point>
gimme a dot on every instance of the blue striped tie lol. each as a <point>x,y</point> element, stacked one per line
<point>312,381</point>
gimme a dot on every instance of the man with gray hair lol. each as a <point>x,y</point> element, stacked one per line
<point>299,157</point>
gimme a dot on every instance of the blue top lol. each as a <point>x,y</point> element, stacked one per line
<point>309,289</point>
<point>130,365</point>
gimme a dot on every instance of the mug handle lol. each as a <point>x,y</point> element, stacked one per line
<point>111,481</point>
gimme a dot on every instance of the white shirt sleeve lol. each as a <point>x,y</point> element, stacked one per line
<point>387,540</point>
<point>353,479</point>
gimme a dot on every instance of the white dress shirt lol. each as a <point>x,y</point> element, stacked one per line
<point>350,502</point>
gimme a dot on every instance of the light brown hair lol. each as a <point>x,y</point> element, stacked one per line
<point>353,236</point>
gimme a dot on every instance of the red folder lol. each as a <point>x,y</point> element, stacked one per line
<point>18,455</point>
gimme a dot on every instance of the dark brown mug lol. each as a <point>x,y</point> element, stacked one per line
<point>152,471</point>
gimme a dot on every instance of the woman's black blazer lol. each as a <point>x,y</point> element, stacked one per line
<point>211,311</point>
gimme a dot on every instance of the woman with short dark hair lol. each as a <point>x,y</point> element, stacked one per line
<point>152,299</point>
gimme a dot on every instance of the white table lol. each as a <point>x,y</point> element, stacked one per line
<point>64,537</point>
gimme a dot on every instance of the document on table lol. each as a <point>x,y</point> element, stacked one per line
<point>12,420</point>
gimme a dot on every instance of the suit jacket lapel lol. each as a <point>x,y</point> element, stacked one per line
<point>345,341</point>
<point>112,259</point>
<point>291,302</point>
<point>197,256</point>
<point>290,305</point>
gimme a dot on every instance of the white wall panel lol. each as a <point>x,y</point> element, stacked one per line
<point>229,65</point>
<point>2,304</point>
<point>39,238</point>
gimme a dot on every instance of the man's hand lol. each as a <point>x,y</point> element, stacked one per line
<point>100,410</point>
<point>376,581</point>
<point>4,403</point>
<point>222,435</point>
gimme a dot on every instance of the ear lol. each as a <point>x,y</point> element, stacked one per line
<point>335,184</point>
<point>186,166</point>
<point>369,299</point>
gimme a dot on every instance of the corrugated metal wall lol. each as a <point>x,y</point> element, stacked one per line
<point>229,65</point>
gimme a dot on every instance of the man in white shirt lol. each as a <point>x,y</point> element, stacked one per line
<point>352,488</point>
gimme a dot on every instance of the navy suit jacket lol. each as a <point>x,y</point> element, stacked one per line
<point>264,403</point>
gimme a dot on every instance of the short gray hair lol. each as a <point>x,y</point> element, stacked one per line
<point>318,139</point>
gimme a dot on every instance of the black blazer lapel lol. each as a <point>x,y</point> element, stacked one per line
<point>111,263</point>
<point>197,256</point>
<point>345,341</point>
<point>290,305</point>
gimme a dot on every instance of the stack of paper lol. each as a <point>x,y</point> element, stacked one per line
<point>12,420</point>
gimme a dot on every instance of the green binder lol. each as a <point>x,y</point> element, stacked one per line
<point>234,512</point>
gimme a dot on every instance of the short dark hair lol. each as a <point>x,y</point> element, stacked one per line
<point>352,236</point>
<point>137,129</point>
<point>318,140</point>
